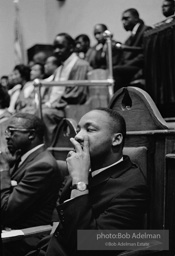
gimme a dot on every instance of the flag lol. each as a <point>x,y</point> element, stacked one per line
<point>19,49</point>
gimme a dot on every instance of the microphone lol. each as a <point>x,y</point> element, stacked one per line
<point>107,34</point>
<point>128,48</point>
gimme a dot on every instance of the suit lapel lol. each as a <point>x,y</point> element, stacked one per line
<point>21,169</point>
<point>114,171</point>
<point>134,40</point>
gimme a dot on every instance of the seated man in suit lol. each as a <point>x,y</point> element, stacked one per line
<point>29,189</point>
<point>71,67</point>
<point>105,191</point>
<point>131,62</point>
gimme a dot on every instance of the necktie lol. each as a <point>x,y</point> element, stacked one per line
<point>15,167</point>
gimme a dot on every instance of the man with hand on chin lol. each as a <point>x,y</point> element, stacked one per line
<point>106,191</point>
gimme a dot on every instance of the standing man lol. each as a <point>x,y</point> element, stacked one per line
<point>131,62</point>
<point>105,191</point>
<point>29,189</point>
<point>71,68</point>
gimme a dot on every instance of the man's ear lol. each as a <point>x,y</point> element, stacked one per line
<point>117,139</point>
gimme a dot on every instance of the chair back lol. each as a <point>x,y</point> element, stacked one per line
<point>62,145</point>
<point>146,127</point>
<point>138,109</point>
<point>138,156</point>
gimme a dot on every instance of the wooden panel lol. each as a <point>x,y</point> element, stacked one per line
<point>138,109</point>
<point>170,201</point>
<point>62,145</point>
<point>146,127</point>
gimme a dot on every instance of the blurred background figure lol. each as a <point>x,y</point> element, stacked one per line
<point>82,45</point>
<point>26,101</point>
<point>131,63</point>
<point>4,103</point>
<point>40,57</point>
<point>4,81</point>
<point>19,77</point>
<point>168,8</point>
<point>97,55</point>
<point>50,66</point>
<point>4,115</point>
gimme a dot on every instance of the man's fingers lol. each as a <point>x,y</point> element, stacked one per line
<point>77,145</point>
<point>86,144</point>
<point>70,153</point>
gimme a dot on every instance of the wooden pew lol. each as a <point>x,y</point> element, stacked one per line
<point>146,127</point>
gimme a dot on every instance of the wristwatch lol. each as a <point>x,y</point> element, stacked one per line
<point>81,186</point>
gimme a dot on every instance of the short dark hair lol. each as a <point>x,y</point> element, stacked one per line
<point>134,12</point>
<point>118,121</point>
<point>32,122</point>
<point>4,97</point>
<point>54,60</point>
<point>102,25</point>
<point>41,66</point>
<point>4,77</point>
<point>170,1</point>
<point>84,37</point>
<point>68,38</point>
<point>24,71</point>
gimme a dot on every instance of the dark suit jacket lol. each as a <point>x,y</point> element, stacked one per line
<point>117,200</point>
<point>98,58</point>
<point>134,58</point>
<point>32,200</point>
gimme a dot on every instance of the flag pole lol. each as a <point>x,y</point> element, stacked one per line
<point>19,48</point>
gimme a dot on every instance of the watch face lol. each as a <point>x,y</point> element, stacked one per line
<point>81,186</point>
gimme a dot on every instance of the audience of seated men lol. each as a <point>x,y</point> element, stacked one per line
<point>97,55</point>
<point>26,100</point>
<point>20,76</point>
<point>82,45</point>
<point>105,190</point>
<point>71,68</point>
<point>29,182</point>
<point>131,63</point>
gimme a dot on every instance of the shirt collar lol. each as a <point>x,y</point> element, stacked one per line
<point>71,58</point>
<point>94,173</point>
<point>24,157</point>
<point>135,28</point>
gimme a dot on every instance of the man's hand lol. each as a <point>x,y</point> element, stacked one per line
<point>78,161</point>
<point>4,164</point>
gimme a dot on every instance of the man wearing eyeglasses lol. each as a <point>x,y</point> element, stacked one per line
<point>29,189</point>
